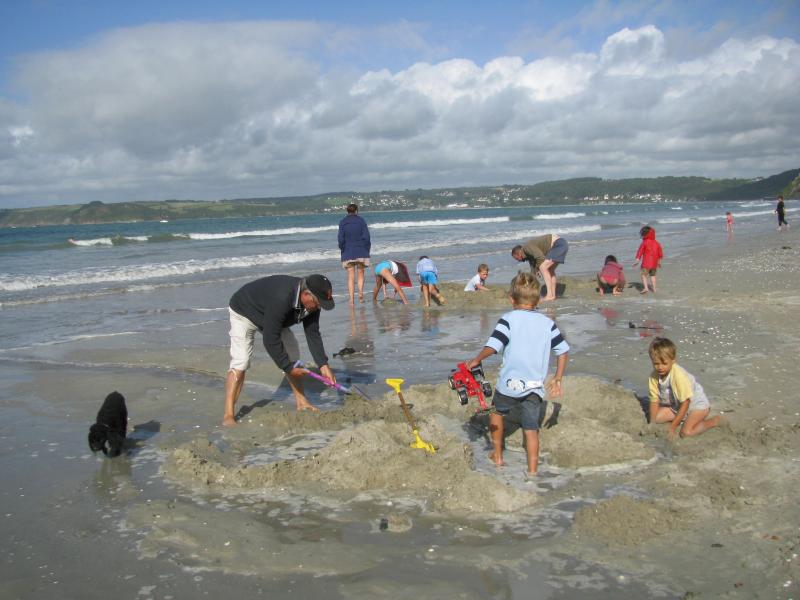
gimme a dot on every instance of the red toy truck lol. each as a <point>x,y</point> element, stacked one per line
<point>470,383</point>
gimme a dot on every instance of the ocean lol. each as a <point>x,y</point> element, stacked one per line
<point>107,280</point>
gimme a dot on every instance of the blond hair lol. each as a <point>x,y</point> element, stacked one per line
<point>483,267</point>
<point>525,289</point>
<point>661,348</point>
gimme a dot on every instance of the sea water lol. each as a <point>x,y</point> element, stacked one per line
<point>59,283</point>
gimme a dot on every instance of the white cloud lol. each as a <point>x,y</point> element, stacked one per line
<point>243,109</point>
<point>633,53</point>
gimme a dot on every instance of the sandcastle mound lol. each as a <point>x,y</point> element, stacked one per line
<point>368,448</point>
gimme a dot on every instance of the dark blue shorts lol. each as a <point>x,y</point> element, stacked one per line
<point>558,253</point>
<point>530,406</point>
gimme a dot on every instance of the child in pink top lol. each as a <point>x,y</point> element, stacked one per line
<point>612,276</point>
<point>650,254</point>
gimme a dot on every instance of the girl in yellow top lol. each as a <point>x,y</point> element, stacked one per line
<point>674,392</point>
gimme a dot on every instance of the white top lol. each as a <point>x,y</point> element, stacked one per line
<point>472,284</point>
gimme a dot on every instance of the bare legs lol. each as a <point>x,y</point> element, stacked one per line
<point>548,272</point>
<point>301,402</point>
<point>386,275</point>
<point>617,285</point>
<point>532,449</point>
<point>696,421</point>
<point>361,269</point>
<point>652,287</point>
<point>496,432</point>
<point>233,387</point>
<point>531,443</point>
<point>351,284</point>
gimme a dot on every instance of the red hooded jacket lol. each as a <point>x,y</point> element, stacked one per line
<point>650,251</point>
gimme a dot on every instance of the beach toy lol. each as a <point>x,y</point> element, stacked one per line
<point>470,382</point>
<point>418,442</point>
<point>337,386</point>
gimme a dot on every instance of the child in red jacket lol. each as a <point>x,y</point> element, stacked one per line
<point>650,254</point>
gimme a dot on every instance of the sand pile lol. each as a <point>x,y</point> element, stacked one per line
<point>601,426</point>
<point>370,449</point>
<point>374,456</point>
<point>497,295</point>
<point>643,520</point>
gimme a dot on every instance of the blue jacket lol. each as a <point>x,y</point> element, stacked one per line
<point>354,238</point>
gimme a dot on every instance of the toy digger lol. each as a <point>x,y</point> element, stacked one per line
<point>469,383</point>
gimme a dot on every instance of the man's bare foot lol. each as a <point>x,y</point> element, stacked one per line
<point>306,406</point>
<point>229,421</point>
<point>498,463</point>
<point>643,292</point>
<point>548,298</point>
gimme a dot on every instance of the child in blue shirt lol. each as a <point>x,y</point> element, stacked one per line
<point>428,279</point>
<point>525,337</point>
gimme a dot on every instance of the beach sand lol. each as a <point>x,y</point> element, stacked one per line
<point>339,503</point>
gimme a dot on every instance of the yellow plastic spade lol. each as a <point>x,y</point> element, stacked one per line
<point>418,441</point>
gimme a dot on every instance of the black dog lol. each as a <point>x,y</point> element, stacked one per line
<point>108,433</point>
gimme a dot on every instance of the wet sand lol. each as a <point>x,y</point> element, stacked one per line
<point>338,503</point>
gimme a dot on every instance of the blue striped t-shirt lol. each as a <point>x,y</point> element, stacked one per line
<point>525,338</point>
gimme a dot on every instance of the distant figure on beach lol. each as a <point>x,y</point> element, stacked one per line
<point>478,282</point>
<point>388,271</point>
<point>729,223</point>
<point>650,254</point>
<point>781,212</point>
<point>612,276</point>
<point>272,305</point>
<point>544,253</point>
<point>674,392</point>
<point>525,337</point>
<point>355,245</point>
<point>428,280</point>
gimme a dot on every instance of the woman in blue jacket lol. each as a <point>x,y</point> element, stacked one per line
<point>355,245</point>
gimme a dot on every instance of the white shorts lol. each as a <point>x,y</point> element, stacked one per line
<point>243,333</point>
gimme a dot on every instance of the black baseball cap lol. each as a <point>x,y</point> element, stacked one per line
<point>321,287</point>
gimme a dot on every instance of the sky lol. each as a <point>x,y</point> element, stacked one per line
<point>118,101</point>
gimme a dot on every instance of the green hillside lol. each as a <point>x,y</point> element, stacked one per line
<point>567,191</point>
<point>768,187</point>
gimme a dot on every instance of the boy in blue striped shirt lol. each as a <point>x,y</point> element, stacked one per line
<point>525,337</point>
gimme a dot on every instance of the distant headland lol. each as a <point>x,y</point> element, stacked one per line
<point>585,190</point>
